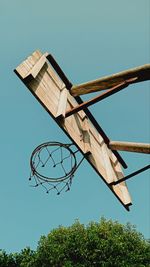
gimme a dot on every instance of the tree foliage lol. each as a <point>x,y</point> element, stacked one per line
<point>103,244</point>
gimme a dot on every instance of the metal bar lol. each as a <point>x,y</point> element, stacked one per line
<point>131,175</point>
<point>130,147</point>
<point>94,100</point>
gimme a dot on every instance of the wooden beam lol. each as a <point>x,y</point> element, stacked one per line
<point>44,87</point>
<point>130,147</point>
<point>37,67</point>
<point>62,104</point>
<point>141,73</point>
<point>101,132</point>
<point>94,100</point>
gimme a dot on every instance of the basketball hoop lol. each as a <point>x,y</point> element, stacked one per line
<point>53,165</point>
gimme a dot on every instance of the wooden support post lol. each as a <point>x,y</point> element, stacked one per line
<point>139,74</point>
<point>92,101</point>
<point>130,147</point>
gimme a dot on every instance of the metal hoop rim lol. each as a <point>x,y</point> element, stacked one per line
<point>52,179</point>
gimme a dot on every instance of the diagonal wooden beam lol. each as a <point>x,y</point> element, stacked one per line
<point>130,147</point>
<point>94,100</point>
<point>142,73</point>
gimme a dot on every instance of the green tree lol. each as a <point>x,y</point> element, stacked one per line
<point>23,259</point>
<point>105,243</point>
<point>7,260</point>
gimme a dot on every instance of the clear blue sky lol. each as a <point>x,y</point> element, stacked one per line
<point>89,39</point>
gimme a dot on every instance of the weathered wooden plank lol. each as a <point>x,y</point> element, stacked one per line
<point>48,88</point>
<point>74,133</point>
<point>73,103</point>
<point>97,164</point>
<point>54,76</point>
<point>38,66</point>
<point>86,135</point>
<point>23,69</point>
<point>122,193</point>
<point>141,73</point>
<point>43,77</point>
<point>75,122</point>
<point>113,171</point>
<point>62,103</point>
<point>47,83</point>
<point>111,175</point>
<point>130,147</point>
<point>37,89</point>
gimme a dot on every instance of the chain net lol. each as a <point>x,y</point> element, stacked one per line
<point>52,166</point>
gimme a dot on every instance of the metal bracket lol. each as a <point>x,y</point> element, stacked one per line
<point>100,97</point>
<point>131,175</point>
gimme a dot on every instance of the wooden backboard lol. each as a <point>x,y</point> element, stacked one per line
<point>46,81</point>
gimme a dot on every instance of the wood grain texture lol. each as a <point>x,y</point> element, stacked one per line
<point>100,97</point>
<point>138,74</point>
<point>62,103</point>
<point>38,66</point>
<point>86,135</point>
<point>51,92</point>
<point>130,147</point>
